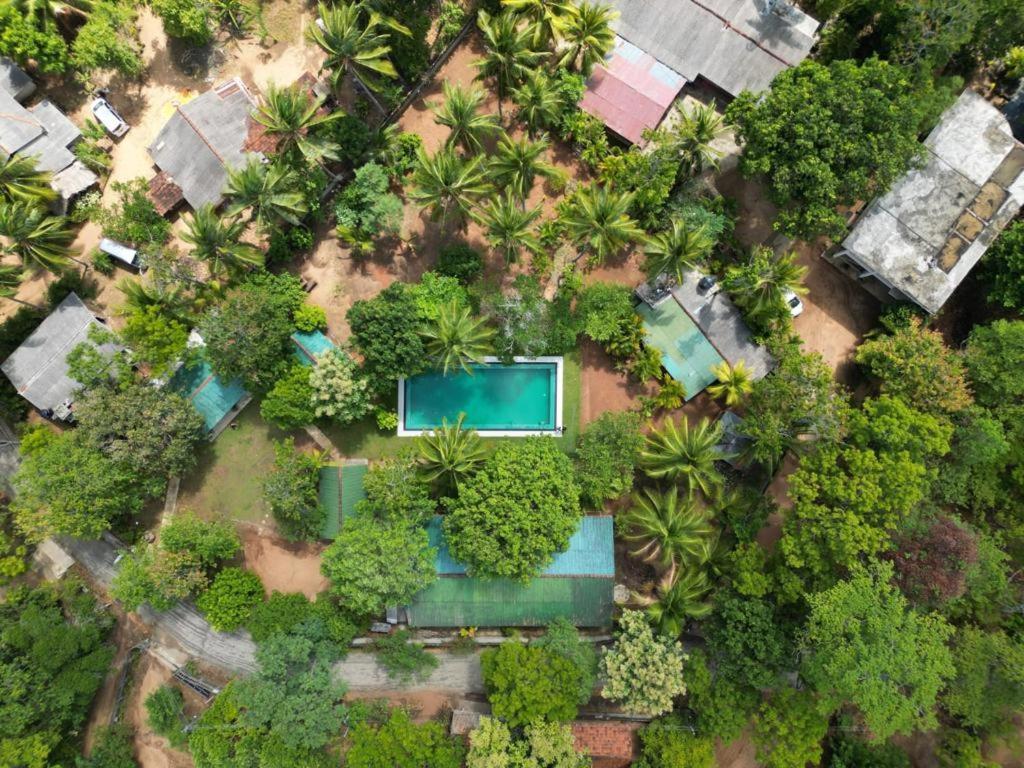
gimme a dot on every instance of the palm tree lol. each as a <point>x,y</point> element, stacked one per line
<point>679,600</point>
<point>290,114</point>
<point>509,52</point>
<point>761,286</point>
<point>461,113</point>
<point>540,105</point>
<point>546,17</point>
<point>10,282</point>
<point>677,250</point>
<point>269,192</point>
<point>516,164</point>
<point>21,180</point>
<point>455,339</point>
<point>734,382</point>
<point>43,12</point>
<point>217,241</point>
<point>450,454</point>
<point>353,44</point>
<point>39,240</point>
<point>693,136</point>
<point>446,183</point>
<point>598,219</point>
<point>670,531</point>
<point>684,453</point>
<point>170,299</point>
<point>509,227</point>
<point>589,35</point>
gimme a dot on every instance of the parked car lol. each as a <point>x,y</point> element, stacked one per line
<point>796,307</point>
<point>108,117</point>
<point>123,253</point>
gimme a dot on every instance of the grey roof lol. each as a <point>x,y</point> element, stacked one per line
<point>41,130</point>
<point>14,80</point>
<point>722,323</point>
<point>38,369</point>
<point>733,442</point>
<point>73,180</point>
<point>928,231</point>
<point>736,44</point>
<point>17,126</point>
<point>203,138</point>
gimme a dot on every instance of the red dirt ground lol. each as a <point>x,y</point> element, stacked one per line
<point>283,566</point>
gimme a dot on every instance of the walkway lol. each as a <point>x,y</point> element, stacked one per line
<point>234,652</point>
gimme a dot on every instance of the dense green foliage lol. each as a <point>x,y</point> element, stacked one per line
<point>403,659</point>
<point>400,743</point>
<point>228,602</point>
<point>385,330</point>
<point>291,491</point>
<point>668,742</point>
<point>545,745</point>
<point>289,403</point>
<point>165,714</point>
<point>644,672</point>
<point>526,683</point>
<point>606,457</point>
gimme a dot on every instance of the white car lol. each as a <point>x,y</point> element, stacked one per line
<point>108,117</point>
<point>796,307</point>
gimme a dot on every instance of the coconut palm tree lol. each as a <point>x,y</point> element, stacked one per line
<point>762,284</point>
<point>170,299</point>
<point>509,52</point>
<point>677,250</point>
<point>598,220</point>
<point>217,241</point>
<point>269,192</point>
<point>516,164</point>
<point>460,111</point>
<point>455,338</point>
<point>734,382</point>
<point>589,36</point>
<point>447,184</point>
<point>678,452</point>
<point>680,600</point>
<point>546,17</point>
<point>21,180</point>
<point>10,282</point>
<point>350,35</point>
<point>540,104</point>
<point>671,531</point>
<point>509,226</point>
<point>450,454</point>
<point>290,114</point>
<point>693,135</point>
<point>41,241</point>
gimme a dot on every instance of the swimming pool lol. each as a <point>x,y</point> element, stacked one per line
<point>524,398</point>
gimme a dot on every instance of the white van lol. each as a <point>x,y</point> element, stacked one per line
<point>108,117</point>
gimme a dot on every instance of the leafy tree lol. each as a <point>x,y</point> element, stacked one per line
<point>403,659</point>
<point>516,164</point>
<point>372,566</point>
<point>434,292</point>
<point>38,240</point>
<point>353,42</point>
<point>723,708</point>
<point>455,339</point>
<point>270,192</point>
<point>527,323</point>
<point>993,357</point>
<point>217,241</point>
<point>520,509</point>
<point>678,452</point>
<point>1004,264</point>
<point>151,432</point>
<point>165,714</point>
<point>209,541</point>
<point>21,180</point>
<point>366,208</point>
<point>400,743</point>
<point>450,454</point>
<point>527,683</point>
<point>677,250</point>
<point>851,752</point>
<point>340,391</point>
<point>596,218</point>
<point>155,339</point>
<point>221,739</point>
<point>667,742</point>
<point>185,20</point>
<point>563,639</point>
<point>604,311</point>
<point>829,135</point>
<point>460,112</point>
<point>248,336</point>
<point>108,40</point>
<point>589,35</point>
<point>26,42</point>
<point>748,644</point>
<point>648,177</point>
<point>961,749</point>
<point>280,613</point>
<point>644,672</point>
<point>931,564</point>
<point>989,684</point>
<point>671,531</point>
<point>133,218</point>
<point>229,601</point>
<point>979,462</point>
<point>606,456</point>
<point>789,729</point>
<point>53,658</point>
<point>385,330</point>
<point>112,748</point>
<point>66,487</point>
<point>545,745</point>
<point>461,261</point>
<point>510,52</point>
<point>448,185</point>
<point>292,116</point>
<point>396,492</point>
<point>291,491</point>
<point>509,226</point>
<point>289,403</point>
<point>864,646</point>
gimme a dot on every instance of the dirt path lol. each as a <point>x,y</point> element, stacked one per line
<point>126,634</point>
<point>152,750</point>
<point>283,566</point>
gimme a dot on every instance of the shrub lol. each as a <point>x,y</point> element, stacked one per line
<point>667,742</point>
<point>400,153</point>
<point>165,714</point>
<point>112,749</point>
<point>399,743</point>
<point>229,601</point>
<point>340,391</point>
<point>289,403</point>
<point>186,20</point>
<point>366,209</point>
<point>527,683</point>
<point>133,219</point>
<point>606,457</point>
<point>101,262</point>
<point>644,672</point>
<point>461,261</point>
<point>387,420</point>
<point>449,23</point>
<point>404,660</point>
<point>564,639</point>
<point>435,291</point>
<point>291,491</point>
<point>310,317</point>
<point>278,614</point>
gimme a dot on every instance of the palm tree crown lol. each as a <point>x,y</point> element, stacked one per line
<point>217,241</point>
<point>589,35</point>
<point>21,180</point>
<point>447,184</point>
<point>509,227</point>
<point>685,453</point>
<point>456,339</point>
<point>680,599</point>
<point>270,192</point>
<point>598,219</point>
<point>461,113</point>
<point>762,284</point>
<point>39,240</point>
<point>540,104</point>
<point>694,134</point>
<point>671,531</point>
<point>291,115</point>
<point>677,250</point>
<point>516,164</point>
<point>547,17</point>
<point>509,52</point>
<point>352,42</point>
<point>734,382</point>
<point>450,454</point>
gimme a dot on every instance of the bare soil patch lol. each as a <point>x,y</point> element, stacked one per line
<point>737,754</point>
<point>151,749</point>
<point>281,565</point>
<point>421,705</point>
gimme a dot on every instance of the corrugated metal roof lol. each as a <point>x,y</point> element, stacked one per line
<point>329,497</point>
<point>14,80</point>
<point>352,491</point>
<point>212,397</point>
<point>686,353</point>
<point>310,345</point>
<point>591,550</point>
<point>17,125</point>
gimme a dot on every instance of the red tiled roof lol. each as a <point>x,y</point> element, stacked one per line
<point>610,744</point>
<point>165,194</point>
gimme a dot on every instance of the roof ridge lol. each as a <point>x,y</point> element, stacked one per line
<point>199,133</point>
<point>729,25</point>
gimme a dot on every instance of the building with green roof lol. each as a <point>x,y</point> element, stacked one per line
<point>340,490</point>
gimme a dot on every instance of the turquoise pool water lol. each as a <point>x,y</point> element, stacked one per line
<point>496,397</point>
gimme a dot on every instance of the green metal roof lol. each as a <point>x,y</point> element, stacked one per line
<point>685,351</point>
<point>352,491</point>
<point>330,501</point>
<point>458,601</point>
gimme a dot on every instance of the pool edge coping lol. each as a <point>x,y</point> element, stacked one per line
<point>558,431</point>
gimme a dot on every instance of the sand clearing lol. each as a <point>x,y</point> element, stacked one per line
<point>282,566</point>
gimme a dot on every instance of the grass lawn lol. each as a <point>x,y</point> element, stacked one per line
<point>227,480</point>
<point>363,440</point>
